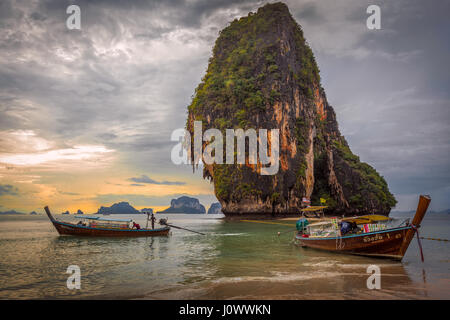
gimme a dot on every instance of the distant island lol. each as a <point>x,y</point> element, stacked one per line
<point>119,208</point>
<point>215,208</point>
<point>11,212</point>
<point>185,205</point>
<point>180,205</point>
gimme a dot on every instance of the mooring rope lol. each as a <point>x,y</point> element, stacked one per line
<point>436,239</point>
<point>282,224</point>
<point>418,240</point>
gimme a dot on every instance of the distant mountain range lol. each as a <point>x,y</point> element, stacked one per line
<point>11,212</point>
<point>180,205</point>
<point>16,212</point>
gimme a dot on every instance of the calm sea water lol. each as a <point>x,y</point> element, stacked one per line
<point>236,260</point>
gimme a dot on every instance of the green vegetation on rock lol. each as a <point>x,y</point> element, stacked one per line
<point>243,73</point>
<point>263,75</point>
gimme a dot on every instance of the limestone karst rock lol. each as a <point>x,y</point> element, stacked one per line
<point>118,208</point>
<point>185,204</point>
<point>215,208</point>
<point>263,74</point>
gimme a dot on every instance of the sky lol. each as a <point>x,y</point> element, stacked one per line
<point>86,115</point>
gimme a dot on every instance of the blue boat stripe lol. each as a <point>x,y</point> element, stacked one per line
<point>83,227</point>
<point>353,236</point>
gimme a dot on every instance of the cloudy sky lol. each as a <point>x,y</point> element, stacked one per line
<point>86,115</point>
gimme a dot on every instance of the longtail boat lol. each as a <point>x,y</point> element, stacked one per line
<point>368,235</point>
<point>104,227</point>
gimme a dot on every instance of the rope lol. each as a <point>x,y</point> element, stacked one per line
<point>171,225</point>
<point>436,239</point>
<point>416,229</point>
<point>282,224</point>
<point>339,244</point>
<point>406,222</point>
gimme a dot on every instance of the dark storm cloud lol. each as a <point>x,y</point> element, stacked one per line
<point>416,39</point>
<point>147,180</point>
<point>7,189</point>
<point>309,12</point>
<point>188,14</point>
<point>124,80</point>
<point>390,89</point>
<point>73,88</point>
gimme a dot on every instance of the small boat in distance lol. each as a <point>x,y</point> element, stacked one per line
<point>104,227</point>
<point>369,235</point>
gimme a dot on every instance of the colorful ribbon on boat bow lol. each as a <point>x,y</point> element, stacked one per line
<point>416,229</point>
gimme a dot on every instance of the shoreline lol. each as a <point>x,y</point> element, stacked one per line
<point>263,217</point>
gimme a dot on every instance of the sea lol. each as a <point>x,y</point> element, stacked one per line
<point>233,260</point>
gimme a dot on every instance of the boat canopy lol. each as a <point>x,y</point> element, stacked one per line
<point>84,217</point>
<point>104,219</point>
<point>371,218</point>
<point>313,208</point>
<point>321,224</point>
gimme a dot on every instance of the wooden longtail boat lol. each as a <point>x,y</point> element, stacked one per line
<point>99,230</point>
<point>389,243</point>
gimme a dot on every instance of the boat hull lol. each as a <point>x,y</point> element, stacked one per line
<point>74,230</point>
<point>391,243</point>
<point>382,244</point>
<point>65,228</point>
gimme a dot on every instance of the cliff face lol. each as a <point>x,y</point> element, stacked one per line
<point>263,75</point>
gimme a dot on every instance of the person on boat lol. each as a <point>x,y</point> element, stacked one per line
<point>153,221</point>
<point>355,228</point>
<point>136,225</point>
<point>346,227</point>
